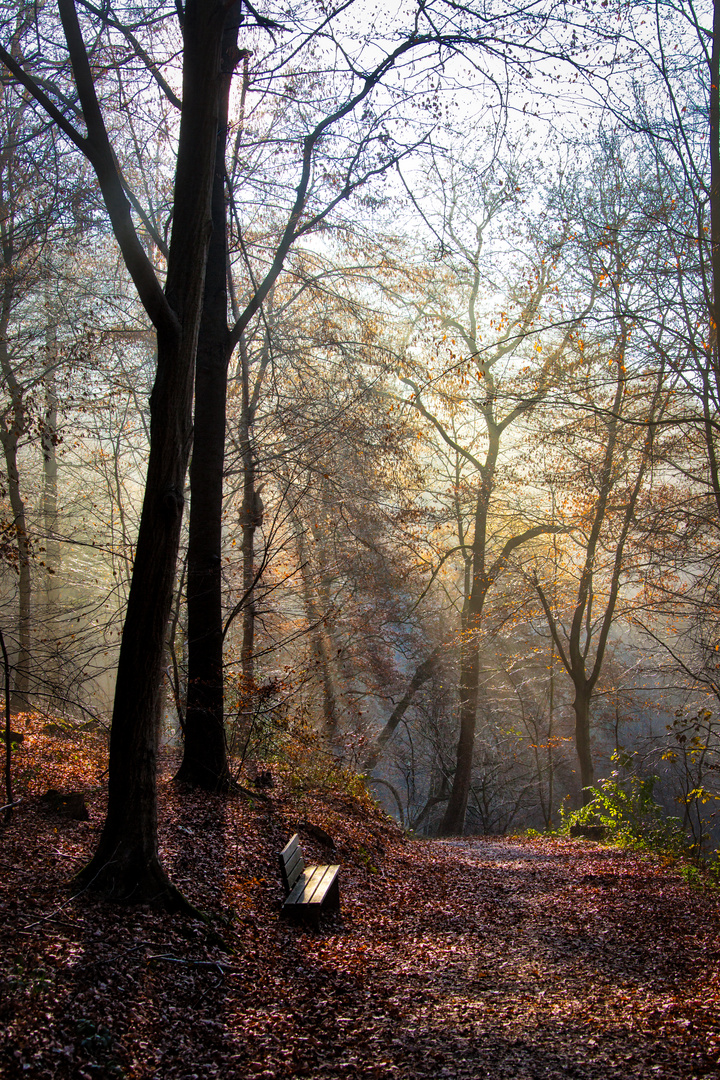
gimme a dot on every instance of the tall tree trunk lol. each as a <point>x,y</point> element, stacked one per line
<point>19,697</point>
<point>581,705</point>
<point>715,191</point>
<point>250,518</point>
<point>711,377</point>
<point>453,822</point>
<point>551,738</point>
<point>12,426</point>
<point>126,863</point>
<point>204,761</point>
<point>52,667</point>
<point>320,649</point>
<point>333,645</point>
<point>50,474</point>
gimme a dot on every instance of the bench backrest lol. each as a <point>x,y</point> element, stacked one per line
<point>291,862</point>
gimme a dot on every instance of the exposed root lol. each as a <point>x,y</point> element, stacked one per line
<point>225,784</point>
<point>130,881</point>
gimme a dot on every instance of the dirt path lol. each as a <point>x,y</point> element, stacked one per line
<point>473,959</point>
<point>519,960</point>
<point>551,959</point>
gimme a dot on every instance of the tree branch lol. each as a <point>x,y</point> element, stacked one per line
<point>97,149</point>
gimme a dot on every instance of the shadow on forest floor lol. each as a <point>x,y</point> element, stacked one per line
<point>478,958</point>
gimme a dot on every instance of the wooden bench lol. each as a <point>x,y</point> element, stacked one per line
<point>309,889</point>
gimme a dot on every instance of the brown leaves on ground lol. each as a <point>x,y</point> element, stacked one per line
<point>469,959</point>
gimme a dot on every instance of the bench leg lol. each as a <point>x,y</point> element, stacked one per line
<point>332,900</point>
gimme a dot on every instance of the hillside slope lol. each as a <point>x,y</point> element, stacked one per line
<point>472,959</point>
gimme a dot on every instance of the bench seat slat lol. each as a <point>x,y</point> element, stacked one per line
<point>312,886</point>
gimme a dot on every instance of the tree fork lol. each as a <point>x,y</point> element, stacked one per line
<point>126,865</point>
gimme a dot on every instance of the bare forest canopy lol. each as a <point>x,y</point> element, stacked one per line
<point>360,391</point>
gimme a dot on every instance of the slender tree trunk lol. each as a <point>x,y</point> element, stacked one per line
<point>453,822</point>
<point>715,188</point>
<point>11,430</point>
<point>320,649</point>
<point>581,705</point>
<point>333,646</point>
<point>711,377</point>
<point>8,740</point>
<point>52,667</point>
<point>550,738</point>
<point>251,515</point>
<point>50,476</point>
<point>250,518</point>
<point>19,698</point>
<point>205,757</point>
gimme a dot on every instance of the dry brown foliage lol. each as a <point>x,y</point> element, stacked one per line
<point>482,958</point>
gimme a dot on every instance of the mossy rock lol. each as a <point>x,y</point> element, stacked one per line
<point>15,737</point>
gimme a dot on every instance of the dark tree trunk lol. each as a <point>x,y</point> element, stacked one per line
<point>715,190</point>
<point>50,478</point>
<point>581,705</point>
<point>336,701</point>
<point>711,374</point>
<point>250,517</point>
<point>453,822</point>
<point>126,863</point>
<point>551,739</point>
<point>205,758</point>
<point>51,677</point>
<point>19,697</point>
<point>8,740</point>
<point>320,649</point>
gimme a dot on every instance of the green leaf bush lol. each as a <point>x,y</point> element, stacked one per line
<point>625,810</point>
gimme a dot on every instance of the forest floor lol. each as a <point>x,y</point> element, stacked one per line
<point>475,958</point>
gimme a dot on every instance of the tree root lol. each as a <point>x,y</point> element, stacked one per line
<point>206,781</point>
<point>132,881</point>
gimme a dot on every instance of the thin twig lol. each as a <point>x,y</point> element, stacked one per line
<point>214,964</point>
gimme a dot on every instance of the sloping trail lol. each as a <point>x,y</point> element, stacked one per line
<point>571,960</point>
<point>543,960</point>
<point>479,959</point>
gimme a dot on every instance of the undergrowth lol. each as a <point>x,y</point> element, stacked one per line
<point>623,812</point>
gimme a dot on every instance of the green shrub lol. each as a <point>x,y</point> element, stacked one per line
<point>326,776</point>
<point>625,808</point>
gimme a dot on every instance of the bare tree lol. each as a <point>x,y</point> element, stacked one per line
<point>126,862</point>
<point>477,380</point>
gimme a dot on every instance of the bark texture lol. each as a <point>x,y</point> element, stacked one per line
<point>126,864</point>
<point>205,758</point>
<point>453,821</point>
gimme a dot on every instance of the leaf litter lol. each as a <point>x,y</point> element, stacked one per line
<point>476,958</point>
